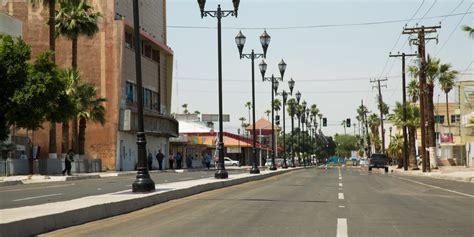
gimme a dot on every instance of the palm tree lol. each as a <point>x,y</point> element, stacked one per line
<point>185,107</point>
<point>314,110</point>
<point>469,30</point>
<point>268,112</point>
<point>72,79</point>
<point>248,105</point>
<point>412,123</point>
<point>277,105</point>
<point>242,122</point>
<point>413,90</point>
<point>89,108</point>
<point>73,19</point>
<point>395,148</point>
<point>374,122</point>
<point>446,80</point>
<point>197,112</point>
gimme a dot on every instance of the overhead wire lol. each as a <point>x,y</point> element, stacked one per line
<point>452,32</point>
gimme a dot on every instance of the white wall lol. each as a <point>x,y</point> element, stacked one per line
<point>127,150</point>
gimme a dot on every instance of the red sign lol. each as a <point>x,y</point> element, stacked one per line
<point>447,138</point>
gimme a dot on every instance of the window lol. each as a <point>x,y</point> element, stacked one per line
<point>155,55</point>
<point>129,40</point>
<point>130,92</point>
<point>455,118</point>
<point>147,99</point>
<point>147,50</point>
<point>155,100</point>
<point>439,119</point>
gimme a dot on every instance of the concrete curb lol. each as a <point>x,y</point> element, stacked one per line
<point>9,183</point>
<point>62,219</point>
<point>469,179</point>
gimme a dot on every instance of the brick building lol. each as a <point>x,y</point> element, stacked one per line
<point>107,60</point>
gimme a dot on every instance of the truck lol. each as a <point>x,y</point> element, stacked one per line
<point>378,161</point>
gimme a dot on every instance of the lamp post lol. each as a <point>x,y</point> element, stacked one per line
<point>221,173</point>
<point>298,115</point>
<point>303,121</point>
<point>143,182</point>
<point>265,41</point>
<point>274,80</point>
<point>308,129</point>
<point>285,97</point>
<point>291,85</point>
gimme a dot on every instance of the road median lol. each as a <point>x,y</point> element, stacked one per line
<point>33,220</point>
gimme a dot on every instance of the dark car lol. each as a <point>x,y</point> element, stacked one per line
<point>378,161</point>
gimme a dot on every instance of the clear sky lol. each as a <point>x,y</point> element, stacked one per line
<point>332,65</point>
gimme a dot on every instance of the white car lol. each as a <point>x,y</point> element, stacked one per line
<point>229,162</point>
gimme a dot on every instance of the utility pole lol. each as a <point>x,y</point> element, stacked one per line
<point>381,109</point>
<point>369,148</point>
<point>426,118</point>
<point>405,139</point>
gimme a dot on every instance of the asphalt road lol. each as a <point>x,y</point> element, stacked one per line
<point>40,193</point>
<point>311,202</point>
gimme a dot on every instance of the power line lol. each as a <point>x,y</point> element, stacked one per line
<point>454,9</point>
<point>452,32</point>
<point>315,26</point>
<point>262,92</point>
<point>426,13</point>
<point>300,80</point>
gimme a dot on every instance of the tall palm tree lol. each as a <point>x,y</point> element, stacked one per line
<point>413,90</point>
<point>314,111</point>
<point>90,108</point>
<point>374,122</point>
<point>185,108</point>
<point>446,80</point>
<point>469,30</point>
<point>395,148</point>
<point>73,19</point>
<point>248,105</point>
<point>277,105</point>
<point>242,121</point>
<point>72,79</point>
<point>412,123</point>
<point>268,112</point>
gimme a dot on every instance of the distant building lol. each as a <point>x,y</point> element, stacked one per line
<point>10,25</point>
<point>107,60</point>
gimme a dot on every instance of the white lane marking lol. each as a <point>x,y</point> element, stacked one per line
<point>341,196</point>
<point>444,189</point>
<point>341,227</point>
<point>340,178</point>
<point>98,189</point>
<point>340,184</point>
<point>42,196</point>
<point>53,186</point>
<point>341,206</point>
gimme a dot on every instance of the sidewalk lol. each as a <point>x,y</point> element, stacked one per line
<point>52,216</point>
<point>455,173</point>
<point>37,178</point>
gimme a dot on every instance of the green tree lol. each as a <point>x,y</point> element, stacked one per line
<point>268,112</point>
<point>248,105</point>
<point>374,122</point>
<point>276,105</point>
<point>469,30</point>
<point>446,80</point>
<point>73,19</point>
<point>345,144</point>
<point>89,108</point>
<point>185,108</point>
<point>14,55</point>
<point>197,112</point>
<point>395,148</point>
<point>413,90</point>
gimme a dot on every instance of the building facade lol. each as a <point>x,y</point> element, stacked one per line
<point>107,60</point>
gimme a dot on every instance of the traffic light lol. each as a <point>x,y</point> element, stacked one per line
<point>348,123</point>
<point>325,122</point>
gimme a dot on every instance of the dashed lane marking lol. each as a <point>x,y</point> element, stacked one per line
<point>42,196</point>
<point>341,196</point>
<point>341,227</point>
<point>340,184</point>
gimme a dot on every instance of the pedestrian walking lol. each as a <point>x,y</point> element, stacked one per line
<point>67,162</point>
<point>189,161</point>
<point>179,160</point>
<point>150,161</point>
<point>207,160</point>
<point>159,158</point>
<point>171,160</point>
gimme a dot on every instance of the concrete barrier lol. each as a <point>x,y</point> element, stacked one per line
<point>33,220</point>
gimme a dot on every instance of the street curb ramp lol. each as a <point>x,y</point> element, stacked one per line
<point>46,223</point>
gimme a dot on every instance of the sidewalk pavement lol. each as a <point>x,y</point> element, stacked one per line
<point>456,173</point>
<point>37,219</point>
<point>37,178</point>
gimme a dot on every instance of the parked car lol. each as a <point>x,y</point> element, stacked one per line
<point>363,162</point>
<point>378,161</point>
<point>229,162</point>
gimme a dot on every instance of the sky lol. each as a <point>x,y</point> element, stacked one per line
<point>331,57</point>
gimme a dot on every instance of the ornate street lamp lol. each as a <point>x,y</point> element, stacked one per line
<point>285,97</point>
<point>274,80</point>
<point>221,173</point>
<point>265,41</point>
<point>298,96</point>
<point>292,108</point>
<point>143,182</point>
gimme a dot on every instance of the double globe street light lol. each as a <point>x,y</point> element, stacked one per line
<point>221,173</point>
<point>265,41</point>
<point>274,82</point>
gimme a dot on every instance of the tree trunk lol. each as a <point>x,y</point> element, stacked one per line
<point>432,161</point>
<point>412,147</point>
<point>52,47</point>
<point>82,135</point>
<point>65,137</point>
<point>74,136</point>
<point>447,113</point>
<point>74,53</point>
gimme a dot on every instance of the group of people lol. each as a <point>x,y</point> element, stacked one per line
<point>178,159</point>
